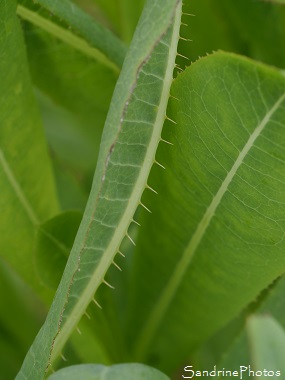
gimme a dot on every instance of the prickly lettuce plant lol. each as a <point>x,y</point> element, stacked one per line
<point>184,216</point>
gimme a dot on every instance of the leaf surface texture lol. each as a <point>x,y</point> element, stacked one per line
<point>216,236</point>
<point>131,135</point>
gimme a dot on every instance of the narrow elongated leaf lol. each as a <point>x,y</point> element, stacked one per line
<point>267,342</point>
<point>132,133</point>
<point>83,24</point>
<point>220,212</point>
<point>76,79</point>
<point>131,371</point>
<point>27,189</point>
<point>76,83</point>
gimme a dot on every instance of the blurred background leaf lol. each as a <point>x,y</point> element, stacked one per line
<point>132,371</point>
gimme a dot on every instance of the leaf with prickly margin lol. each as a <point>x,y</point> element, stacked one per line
<point>53,244</point>
<point>94,39</point>
<point>267,345</point>
<point>131,135</point>
<point>132,371</point>
<point>220,208</point>
<point>27,189</point>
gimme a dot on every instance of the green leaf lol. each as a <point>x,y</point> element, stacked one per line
<point>215,238</point>
<point>271,303</point>
<point>73,82</point>
<point>220,32</point>
<point>55,238</point>
<point>74,148</point>
<point>252,20</point>
<point>267,343</point>
<point>17,334</point>
<point>131,135</point>
<point>27,189</point>
<point>123,14</point>
<point>246,27</point>
<point>277,1</point>
<point>80,90</point>
<point>131,371</point>
<point>84,25</point>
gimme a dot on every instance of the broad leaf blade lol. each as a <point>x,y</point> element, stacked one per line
<point>131,135</point>
<point>131,371</point>
<point>220,209</point>
<point>27,190</point>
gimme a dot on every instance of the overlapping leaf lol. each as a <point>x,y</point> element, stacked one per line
<point>216,236</point>
<point>131,135</point>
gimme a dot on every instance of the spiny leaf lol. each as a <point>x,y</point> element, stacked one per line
<point>220,212</point>
<point>131,135</point>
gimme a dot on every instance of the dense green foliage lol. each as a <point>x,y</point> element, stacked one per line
<point>184,215</point>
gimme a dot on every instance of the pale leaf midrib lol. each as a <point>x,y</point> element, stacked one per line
<point>18,191</point>
<point>66,36</point>
<point>170,289</point>
<point>134,200</point>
